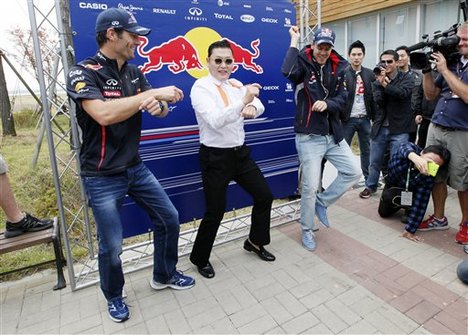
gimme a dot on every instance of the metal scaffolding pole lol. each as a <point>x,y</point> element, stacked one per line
<point>306,14</point>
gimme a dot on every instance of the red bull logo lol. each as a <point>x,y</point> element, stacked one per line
<point>178,54</point>
<point>245,57</point>
<point>189,52</point>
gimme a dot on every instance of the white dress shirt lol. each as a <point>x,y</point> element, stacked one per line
<point>220,126</point>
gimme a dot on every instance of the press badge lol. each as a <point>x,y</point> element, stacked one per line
<point>406,198</point>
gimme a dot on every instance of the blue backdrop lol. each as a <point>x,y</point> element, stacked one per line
<point>174,54</point>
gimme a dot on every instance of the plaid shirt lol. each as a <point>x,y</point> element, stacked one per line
<point>419,184</point>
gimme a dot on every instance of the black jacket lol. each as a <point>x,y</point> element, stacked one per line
<point>368,78</point>
<point>313,83</point>
<point>394,102</point>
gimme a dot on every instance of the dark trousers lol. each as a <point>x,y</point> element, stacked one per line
<point>387,205</point>
<point>220,166</point>
<point>422,132</point>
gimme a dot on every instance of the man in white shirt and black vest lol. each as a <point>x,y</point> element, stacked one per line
<point>221,105</point>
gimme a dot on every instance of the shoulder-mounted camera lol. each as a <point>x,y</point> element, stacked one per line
<point>445,42</point>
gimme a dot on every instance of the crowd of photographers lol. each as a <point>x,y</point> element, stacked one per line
<point>412,126</point>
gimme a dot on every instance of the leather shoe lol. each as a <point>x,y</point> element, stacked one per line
<point>206,271</point>
<point>262,253</point>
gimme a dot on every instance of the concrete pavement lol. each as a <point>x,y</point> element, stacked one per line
<point>362,279</point>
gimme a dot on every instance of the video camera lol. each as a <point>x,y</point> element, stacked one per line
<point>445,42</point>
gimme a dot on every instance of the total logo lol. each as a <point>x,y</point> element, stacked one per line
<point>188,53</point>
<point>289,87</point>
<point>223,16</point>
<point>287,22</point>
<point>92,5</point>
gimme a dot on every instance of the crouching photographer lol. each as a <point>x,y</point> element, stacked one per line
<point>449,128</point>
<point>408,185</point>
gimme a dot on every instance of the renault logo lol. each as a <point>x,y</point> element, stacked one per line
<point>111,82</point>
<point>195,11</point>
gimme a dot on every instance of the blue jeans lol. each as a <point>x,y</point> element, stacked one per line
<point>312,149</point>
<point>379,145</point>
<point>363,128</point>
<point>106,194</point>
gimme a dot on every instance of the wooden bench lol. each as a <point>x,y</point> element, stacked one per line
<point>34,238</point>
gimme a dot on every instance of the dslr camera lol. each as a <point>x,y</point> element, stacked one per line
<point>378,68</point>
<point>445,42</point>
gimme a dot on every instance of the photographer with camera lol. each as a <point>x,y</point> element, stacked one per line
<point>403,64</point>
<point>449,128</point>
<point>393,119</point>
<point>408,185</point>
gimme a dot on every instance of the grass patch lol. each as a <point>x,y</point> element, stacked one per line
<point>33,186</point>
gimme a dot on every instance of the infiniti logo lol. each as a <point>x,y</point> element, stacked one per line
<point>112,82</point>
<point>195,11</point>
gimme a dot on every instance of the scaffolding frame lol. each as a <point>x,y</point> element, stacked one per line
<point>63,143</point>
<point>306,14</point>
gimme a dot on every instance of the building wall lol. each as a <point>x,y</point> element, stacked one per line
<point>333,10</point>
<point>383,24</point>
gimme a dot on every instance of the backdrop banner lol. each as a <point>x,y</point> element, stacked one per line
<point>175,54</point>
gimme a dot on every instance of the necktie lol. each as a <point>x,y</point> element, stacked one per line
<point>223,95</point>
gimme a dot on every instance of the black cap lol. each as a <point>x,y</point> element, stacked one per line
<point>119,18</point>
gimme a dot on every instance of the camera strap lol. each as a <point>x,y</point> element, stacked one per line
<point>461,70</point>
<point>407,178</point>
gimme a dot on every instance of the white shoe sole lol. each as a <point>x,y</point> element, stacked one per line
<point>158,286</point>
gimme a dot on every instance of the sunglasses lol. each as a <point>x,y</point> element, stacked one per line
<point>227,61</point>
<point>390,61</point>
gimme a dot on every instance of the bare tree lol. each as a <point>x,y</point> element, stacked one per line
<point>21,37</point>
<point>8,123</point>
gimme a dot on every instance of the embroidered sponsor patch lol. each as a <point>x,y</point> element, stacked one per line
<point>113,94</point>
<point>80,85</point>
<point>94,67</point>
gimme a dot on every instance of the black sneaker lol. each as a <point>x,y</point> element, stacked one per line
<point>366,193</point>
<point>28,224</point>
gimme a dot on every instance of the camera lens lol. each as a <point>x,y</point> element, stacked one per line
<point>378,68</point>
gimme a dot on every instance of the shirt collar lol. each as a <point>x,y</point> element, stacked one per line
<point>103,59</point>
<point>216,81</point>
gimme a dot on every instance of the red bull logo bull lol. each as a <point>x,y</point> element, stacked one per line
<point>178,54</point>
<point>189,52</point>
<point>245,57</point>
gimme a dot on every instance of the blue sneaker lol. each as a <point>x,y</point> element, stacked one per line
<point>118,310</point>
<point>308,240</point>
<point>321,213</point>
<point>177,282</point>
